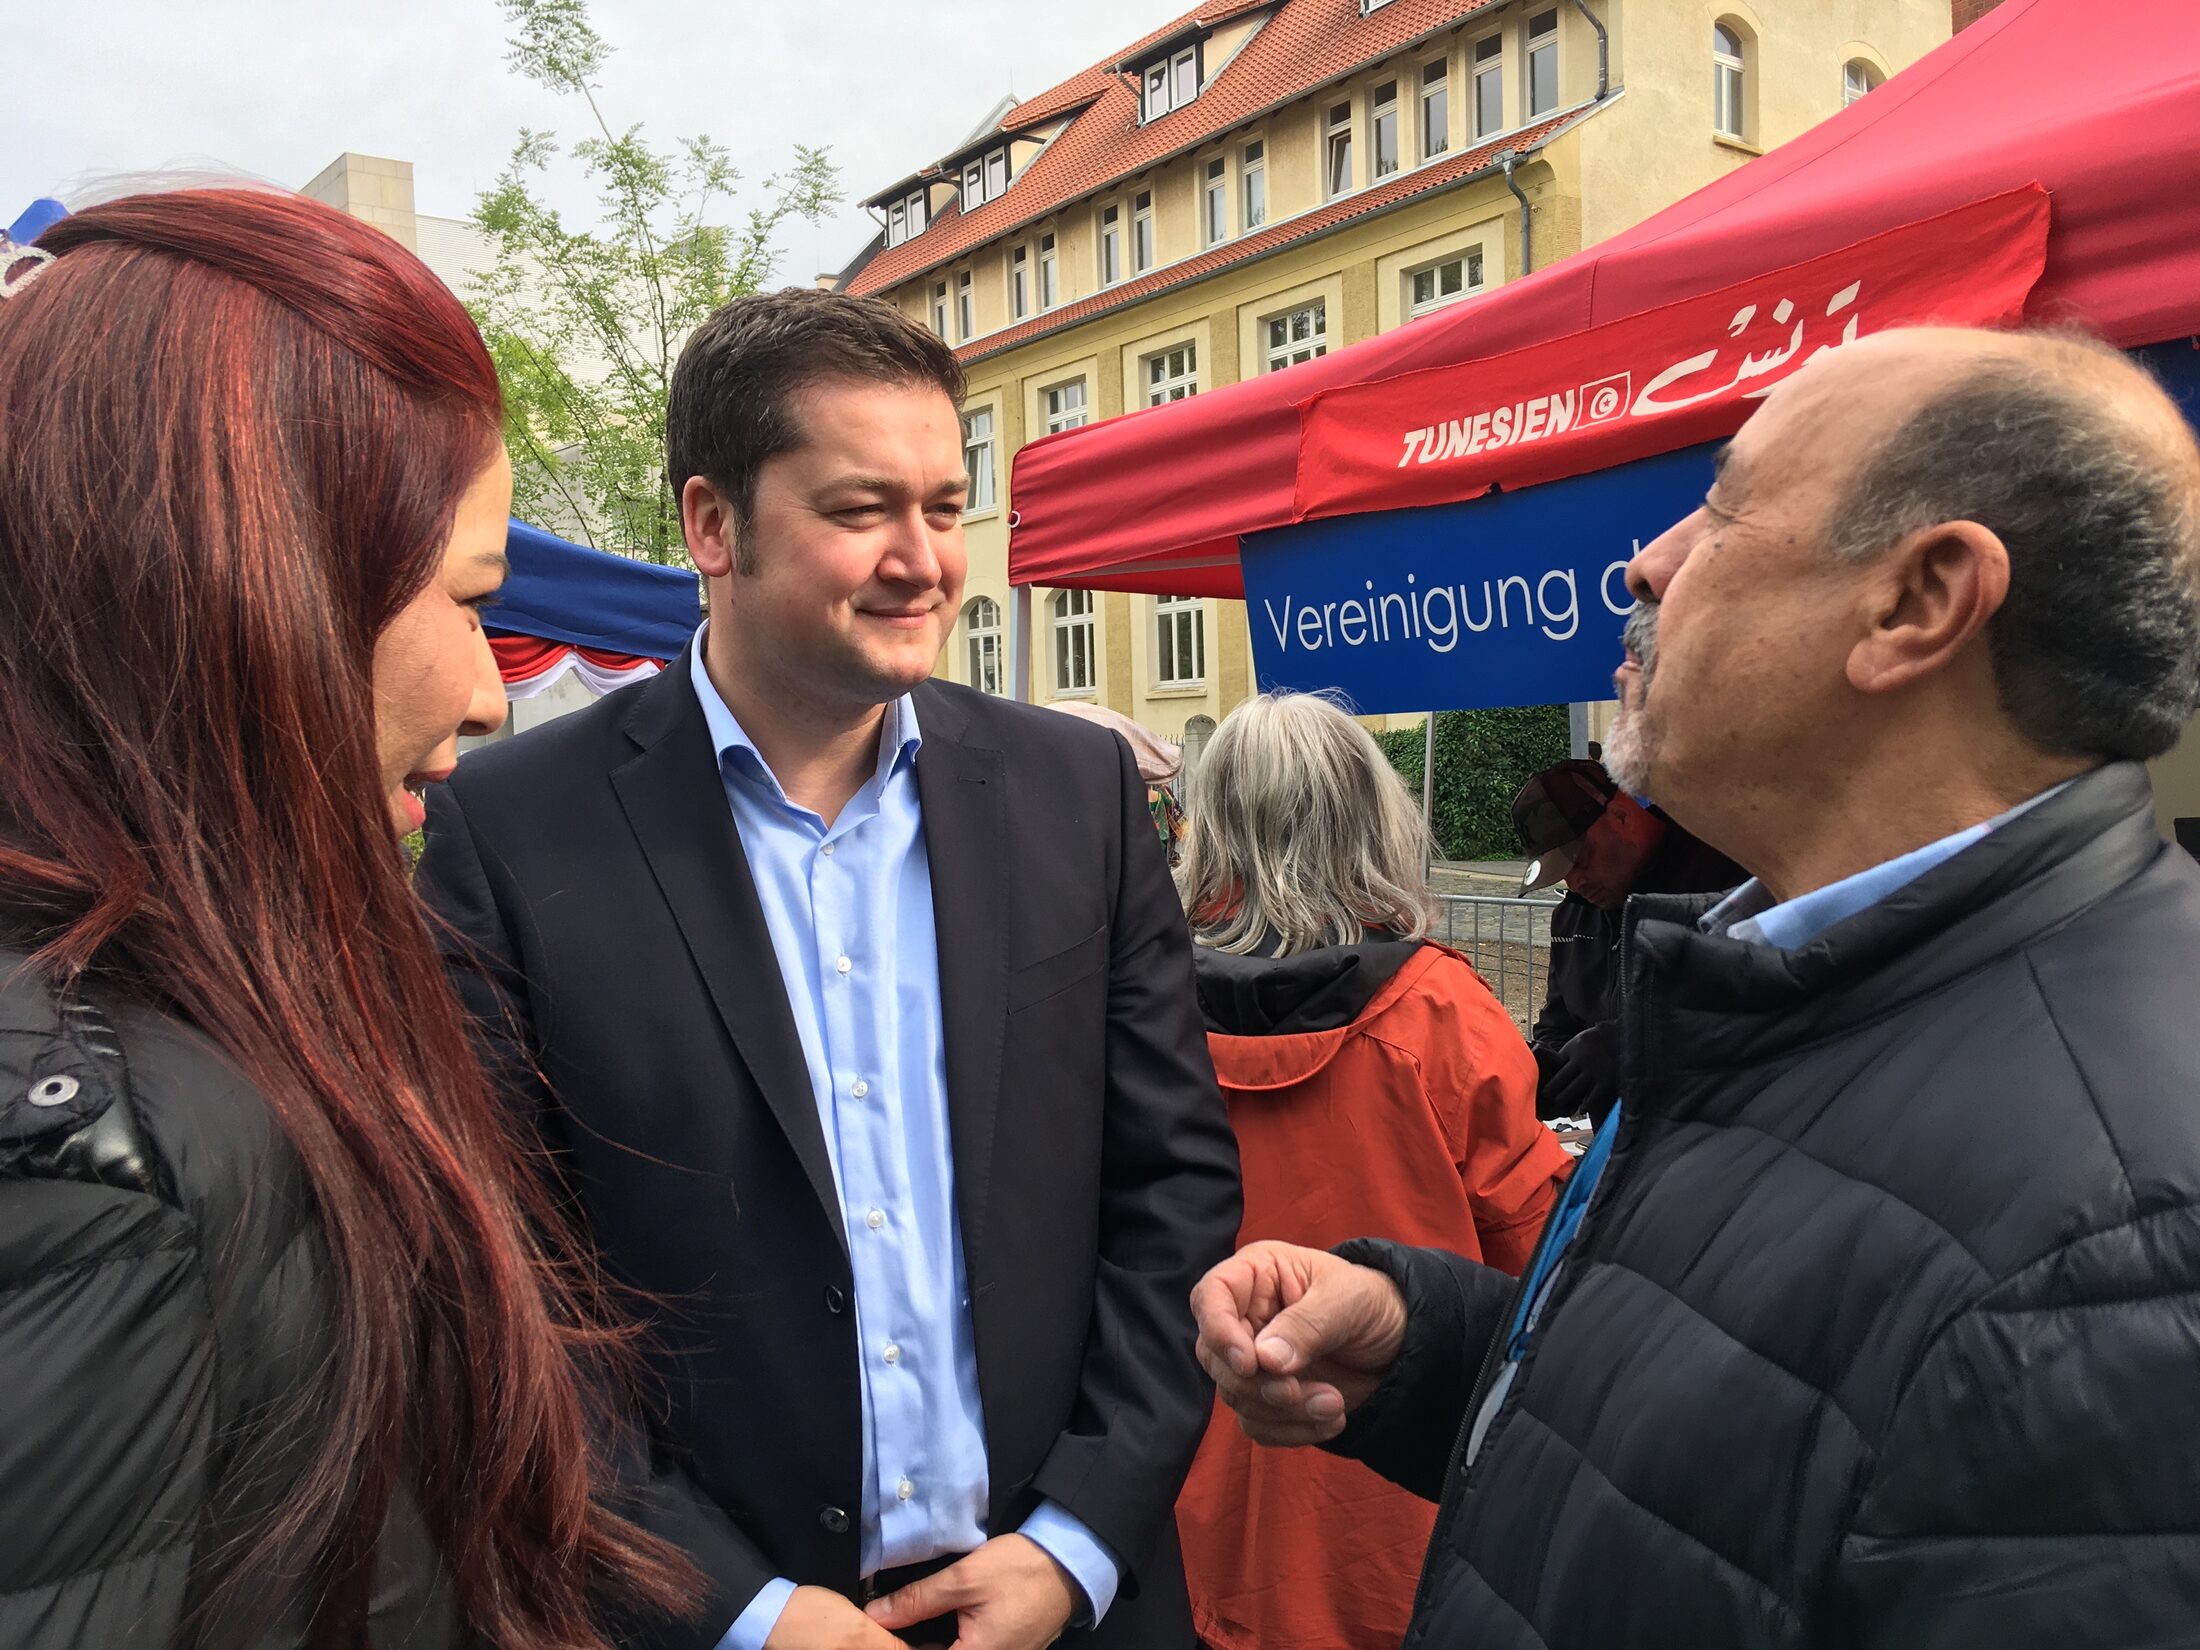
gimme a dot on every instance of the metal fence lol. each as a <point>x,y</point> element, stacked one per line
<point>1509,942</point>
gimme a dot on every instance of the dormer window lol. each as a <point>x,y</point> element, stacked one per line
<point>905,219</point>
<point>985,178</point>
<point>1171,83</point>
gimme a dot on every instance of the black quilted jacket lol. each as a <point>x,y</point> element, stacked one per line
<point>1883,1327</point>
<point>163,1302</point>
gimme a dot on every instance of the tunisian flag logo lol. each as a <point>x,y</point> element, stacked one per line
<point>1668,378</point>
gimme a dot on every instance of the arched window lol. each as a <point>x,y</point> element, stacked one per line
<point>1728,103</point>
<point>1858,78</point>
<point>1075,665</point>
<point>982,633</point>
<point>1197,732</point>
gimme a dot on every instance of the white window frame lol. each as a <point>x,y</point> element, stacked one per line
<point>1062,409</point>
<point>1337,178</point>
<point>1076,627</point>
<point>1214,201</point>
<point>1541,47</point>
<point>1019,282</point>
<point>1472,282</point>
<point>1142,232</point>
<point>1382,106</point>
<point>996,174</point>
<point>1435,108</point>
<point>982,646</point>
<point>1859,79</point>
<point>1050,285</point>
<point>1170,374</point>
<point>906,218</point>
<point>966,307</point>
<point>939,309</point>
<point>1180,627</point>
<point>1729,83</point>
<point>979,448</point>
<point>1252,180</point>
<point>1305,329</point>
<point>1170,83</point>
<point>1488,76</point>
<point>1108,243</point>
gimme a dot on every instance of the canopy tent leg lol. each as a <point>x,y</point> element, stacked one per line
<point>1577,726</point>
<point>1019,645</point>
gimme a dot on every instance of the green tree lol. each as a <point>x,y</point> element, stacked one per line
<point>585,323</point>
<point>1482,758</point>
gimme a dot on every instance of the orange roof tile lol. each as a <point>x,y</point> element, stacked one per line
<point>1406,186</point>
<point>1303,45</point>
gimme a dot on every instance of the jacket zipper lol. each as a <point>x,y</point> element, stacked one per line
<point>1485,1376</point>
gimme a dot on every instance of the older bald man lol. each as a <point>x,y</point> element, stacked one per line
<point>1872,1317</point>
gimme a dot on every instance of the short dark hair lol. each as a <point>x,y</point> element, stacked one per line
<point>729,411</point>
<point>2096,651</point>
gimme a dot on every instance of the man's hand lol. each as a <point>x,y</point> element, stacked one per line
<point>1296,1339</point>
<point>1008,1595</point>
<point>817,1618</point>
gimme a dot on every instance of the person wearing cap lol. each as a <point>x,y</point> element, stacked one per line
<point>1160,764</point>
<point>1583,830</point>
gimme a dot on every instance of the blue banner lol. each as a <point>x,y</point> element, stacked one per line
<point>1511,599</point>
<point>566,592</point>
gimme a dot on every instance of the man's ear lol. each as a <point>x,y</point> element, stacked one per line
<point>1927,600</point>
<point>707,524</point>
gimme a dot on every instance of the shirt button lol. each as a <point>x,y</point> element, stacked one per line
<point>904,1490</point>
<point>875,1219</point>
<point>892,1354</point>
<point>842,964</point>
<point>827,850</point>
<point>859,1088</point>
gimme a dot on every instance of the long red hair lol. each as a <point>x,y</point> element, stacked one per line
<point>234,428</point>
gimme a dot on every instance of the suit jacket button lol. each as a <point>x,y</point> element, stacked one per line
<point>835,1302</point>
<point>832,1520</point>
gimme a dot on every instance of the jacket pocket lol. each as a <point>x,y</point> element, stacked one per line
<point>1034,982</point>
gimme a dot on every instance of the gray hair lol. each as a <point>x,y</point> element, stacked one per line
<point>1300,832</point>
<point>2051,446</point>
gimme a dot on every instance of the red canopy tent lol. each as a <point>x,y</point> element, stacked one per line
<point>2103,113</point>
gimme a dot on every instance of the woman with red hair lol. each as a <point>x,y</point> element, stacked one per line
<point>289,1358</point>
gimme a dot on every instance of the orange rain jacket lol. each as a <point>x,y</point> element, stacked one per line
<point>1415,1122</point>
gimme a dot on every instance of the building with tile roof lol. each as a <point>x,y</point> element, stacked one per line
<point>1261,181</point>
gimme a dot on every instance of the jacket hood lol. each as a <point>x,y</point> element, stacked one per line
<point>1323,990</point>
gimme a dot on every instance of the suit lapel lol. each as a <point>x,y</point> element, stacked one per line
<point>965,805</point>
<point>676,805</point>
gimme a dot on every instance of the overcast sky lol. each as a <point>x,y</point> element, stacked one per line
<point>278,88</point>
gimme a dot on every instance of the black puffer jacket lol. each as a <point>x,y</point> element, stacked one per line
<point>1883,1326</point>
<point>164,1301</point>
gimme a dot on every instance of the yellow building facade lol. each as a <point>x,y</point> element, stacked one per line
<point>1337,170</point>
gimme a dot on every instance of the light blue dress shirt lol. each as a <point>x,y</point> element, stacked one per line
<point>849,907</point>
<point>1748,914</point>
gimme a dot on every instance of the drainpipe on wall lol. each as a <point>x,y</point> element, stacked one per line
<point>1527,221</point>
<point>1604,49</point>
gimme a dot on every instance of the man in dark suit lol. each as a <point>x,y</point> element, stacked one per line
<point>858,1009</point>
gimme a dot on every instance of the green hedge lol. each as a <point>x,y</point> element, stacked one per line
<point>1482,758</point>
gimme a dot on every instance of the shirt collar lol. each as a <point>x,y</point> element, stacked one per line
<point>1751,913</point>
<point>899,736</point>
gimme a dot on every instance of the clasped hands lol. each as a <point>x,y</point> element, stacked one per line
<point>1008,1595</point>
<point>1295,1340</point>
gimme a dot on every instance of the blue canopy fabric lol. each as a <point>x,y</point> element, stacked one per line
<point>41,215</point>
<point>569,593</point>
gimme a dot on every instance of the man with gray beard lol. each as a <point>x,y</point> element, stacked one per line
<point>1870,1311</point>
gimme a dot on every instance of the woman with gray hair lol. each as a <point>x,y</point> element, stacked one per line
<point>1378,1089</point>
